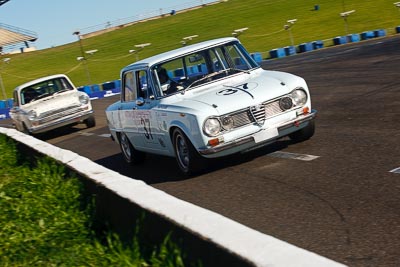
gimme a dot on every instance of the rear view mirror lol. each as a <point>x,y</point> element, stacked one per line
<point>195,58</point>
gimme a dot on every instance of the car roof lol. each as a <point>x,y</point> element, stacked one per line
<point>40,80</point>
<point>178,52</point>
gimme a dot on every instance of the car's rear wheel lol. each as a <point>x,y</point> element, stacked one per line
<point>90,122</point>
<point>188,159</point>
<point>131,155</point>
<point>304,133</point>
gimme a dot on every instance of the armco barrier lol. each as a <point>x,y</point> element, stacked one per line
<point>203,234</point>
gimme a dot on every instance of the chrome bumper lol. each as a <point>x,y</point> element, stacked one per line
<point>250,139</point>
<point>60,122</point>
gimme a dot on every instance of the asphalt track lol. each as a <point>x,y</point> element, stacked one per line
<point>337,194</point>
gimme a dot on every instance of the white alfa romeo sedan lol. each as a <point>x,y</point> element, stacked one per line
<point>206,100</point>
<point>48,103</point>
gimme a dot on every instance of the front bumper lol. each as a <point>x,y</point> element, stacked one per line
<point>249,142</point>
<point>51,125</point>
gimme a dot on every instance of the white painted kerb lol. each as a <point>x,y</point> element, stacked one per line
<point>258,248</point>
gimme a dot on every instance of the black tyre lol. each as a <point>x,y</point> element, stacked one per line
<point>131,155</point>
<point>90,122</point>
<point>188,159</point>
<point>22,128</point>
<point>303,134</point>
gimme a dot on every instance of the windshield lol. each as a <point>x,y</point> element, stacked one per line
<point>44,89</point>
<point>205,66</point>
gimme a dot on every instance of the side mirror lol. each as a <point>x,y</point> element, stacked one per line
<point>140,101</point>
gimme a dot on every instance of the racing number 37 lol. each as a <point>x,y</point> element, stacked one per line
<point>146,126</point>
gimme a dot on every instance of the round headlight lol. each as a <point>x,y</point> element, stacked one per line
<point>299,97</point>
<point>285,103</point>
<point>227,122</point>
<point>212,127</point>
<point>32,115</point>
<point>84,99</point>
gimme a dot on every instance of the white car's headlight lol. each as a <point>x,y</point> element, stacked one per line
<point>299,97</point>
<point>84,99</point>
<point>212,127</point>
<point>227,122</point>
<point>32,115</point>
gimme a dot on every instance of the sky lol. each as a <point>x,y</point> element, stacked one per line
<point>55,20</point>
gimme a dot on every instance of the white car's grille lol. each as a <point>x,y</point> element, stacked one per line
<point>59,113</point>
<point>256,114</point>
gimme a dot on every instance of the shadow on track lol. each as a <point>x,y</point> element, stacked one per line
<point>160,169</point>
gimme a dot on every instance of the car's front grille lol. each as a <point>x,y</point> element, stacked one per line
<point>256,114</point>
<point>59,113</point>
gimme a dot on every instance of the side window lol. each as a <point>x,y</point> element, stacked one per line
<point>129,93</point>
<point>16,99</point>
<point>142,84</point>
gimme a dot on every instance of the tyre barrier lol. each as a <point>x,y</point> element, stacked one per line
<point>202,234</point>
<point>306,47</point>
<point>4,113</point>
<point>290,50</point>
<point>318,44</point>
<point>379,33</point>
<point>398,29</point>
<point>367,35</point>
<point>256,56</point>
<point>340,40</point>
<point>353,38</point>
<point>277,53</point>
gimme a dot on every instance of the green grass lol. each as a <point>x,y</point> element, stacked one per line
<point>45,221</point>
<point>265,20</point>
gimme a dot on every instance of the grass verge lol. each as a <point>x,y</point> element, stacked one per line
<point>45,221</point>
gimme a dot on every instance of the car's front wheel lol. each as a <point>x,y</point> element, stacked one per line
<point>131,155</point>
<point>22,128</point>
<point>304,133</point>
<point>90,122</point>
<point>188,159</point>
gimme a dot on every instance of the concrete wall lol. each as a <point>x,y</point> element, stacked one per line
<point>205,235</point>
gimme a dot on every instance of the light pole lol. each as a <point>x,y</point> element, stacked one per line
<point>187,39</point>
<point>397,4</point>
<point>133,51</point>
<point>344,15</point>
<point>5,61</point>
<point>139,47</point>
<point>238,32</point>
<point>82,56</point>
<point>288,27</point>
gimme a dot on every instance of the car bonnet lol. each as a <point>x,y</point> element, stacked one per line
<point>228,97</point>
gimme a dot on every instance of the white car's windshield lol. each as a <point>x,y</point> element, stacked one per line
<point>44,89</point>
<point>189,71</point>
